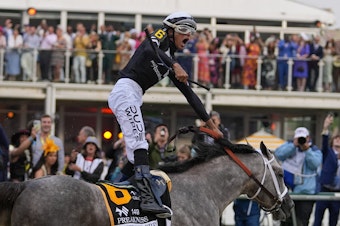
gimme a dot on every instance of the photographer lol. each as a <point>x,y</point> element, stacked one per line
<point>160,151</point>
<point>300,161</point>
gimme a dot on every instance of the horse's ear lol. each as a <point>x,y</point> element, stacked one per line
<point>264,149</point>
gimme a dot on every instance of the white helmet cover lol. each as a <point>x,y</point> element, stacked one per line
<point>180,18</point>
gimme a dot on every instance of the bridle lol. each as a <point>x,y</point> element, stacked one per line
<point>278,197</point>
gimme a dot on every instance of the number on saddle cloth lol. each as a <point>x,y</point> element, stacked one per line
<point>123,201</point>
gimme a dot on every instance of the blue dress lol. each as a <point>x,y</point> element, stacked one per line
<point>301,66</point>
<point>12,62</point>
<point>13,55</point>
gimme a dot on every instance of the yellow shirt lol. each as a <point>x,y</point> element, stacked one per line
<point>80,45</point>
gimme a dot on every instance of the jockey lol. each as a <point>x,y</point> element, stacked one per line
<point>148,65</point>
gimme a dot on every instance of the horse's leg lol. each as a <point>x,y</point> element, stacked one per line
<point>9,192</point>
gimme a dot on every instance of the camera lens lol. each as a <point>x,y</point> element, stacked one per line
<point>301,140</point>
<point>162,132</point>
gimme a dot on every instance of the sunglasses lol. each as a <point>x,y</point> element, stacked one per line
<point>184,29</point>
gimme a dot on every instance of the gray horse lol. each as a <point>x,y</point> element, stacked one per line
<point>199,195</point>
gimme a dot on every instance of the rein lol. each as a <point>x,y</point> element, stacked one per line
<point>234,157</point>
<point>238,162</point>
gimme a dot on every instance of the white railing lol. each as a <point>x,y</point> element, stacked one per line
<point>68,75</point>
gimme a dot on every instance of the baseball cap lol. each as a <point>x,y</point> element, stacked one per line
<point>301,132</point>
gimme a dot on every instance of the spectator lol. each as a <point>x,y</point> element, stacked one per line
<point>42,28</point>
<point>214,62</point>
<point>48,162</point>
<point>23,151</point>
<point>328,52</point>
<point>185,59</point>
<point>81,42</point>
<point>315,54</point>
<point>108,39</point>
<point>250,65</point>
<point>84,133</point>
<point>19,165</point>
<point>8,28</point>
<point>118,155</point>
<point>69,35</point>
<point>330,175</point>
<point>336,67</point>
<point>4,144</point>
<point>247,213</point>
<point>58,55</point>
<point>132,39</point>
<point>92,70</point>
<point>184,153</point>
<point>14,45</point>
<point>31,42</point>
<point>49,38</point>
<point>269,65</point>
<point>45,132</point>
<point>202,47</point>
<point>160,151</point>
<point>287,49</point>
<point>123,51</point>
<point>3,41</point>
<point>216,118</point>
<point>237,51</point>
<point>300,161</point>
<point>88,166</point>
<point>301,65</point>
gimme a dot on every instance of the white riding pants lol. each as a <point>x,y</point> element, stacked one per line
<point>125,101</point>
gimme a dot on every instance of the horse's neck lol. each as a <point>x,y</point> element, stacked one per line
<point>221,177</point>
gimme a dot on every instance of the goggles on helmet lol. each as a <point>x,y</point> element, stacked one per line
<point>184,29</point>
<point>181,28</point>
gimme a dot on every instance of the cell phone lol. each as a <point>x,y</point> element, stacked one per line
<point>37,125</point>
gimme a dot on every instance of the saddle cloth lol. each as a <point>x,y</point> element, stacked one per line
<point>123,202</point>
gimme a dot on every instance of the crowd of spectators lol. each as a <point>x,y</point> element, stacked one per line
<point>108,49</point>
<point>22,63</point>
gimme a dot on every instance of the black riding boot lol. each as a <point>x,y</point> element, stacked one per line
<point>148,202</point>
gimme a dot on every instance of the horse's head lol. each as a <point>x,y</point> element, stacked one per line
<point>271,192</point>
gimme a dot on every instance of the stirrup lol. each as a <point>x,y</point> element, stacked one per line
<point>165,215</point>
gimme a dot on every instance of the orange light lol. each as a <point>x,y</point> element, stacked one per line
<point>106,111</point>
<point>31,11</point>
<point>120,135</point>
<point>107,135</point>
<point>273,126</point>
<point>10,114</point>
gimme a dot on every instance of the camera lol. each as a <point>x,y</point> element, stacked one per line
<point>302,140</point>
<point>162,132</point>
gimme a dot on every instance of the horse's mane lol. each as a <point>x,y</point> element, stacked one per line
<point>205,152</point>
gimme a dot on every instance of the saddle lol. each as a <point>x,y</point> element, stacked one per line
<point>123,200</point>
